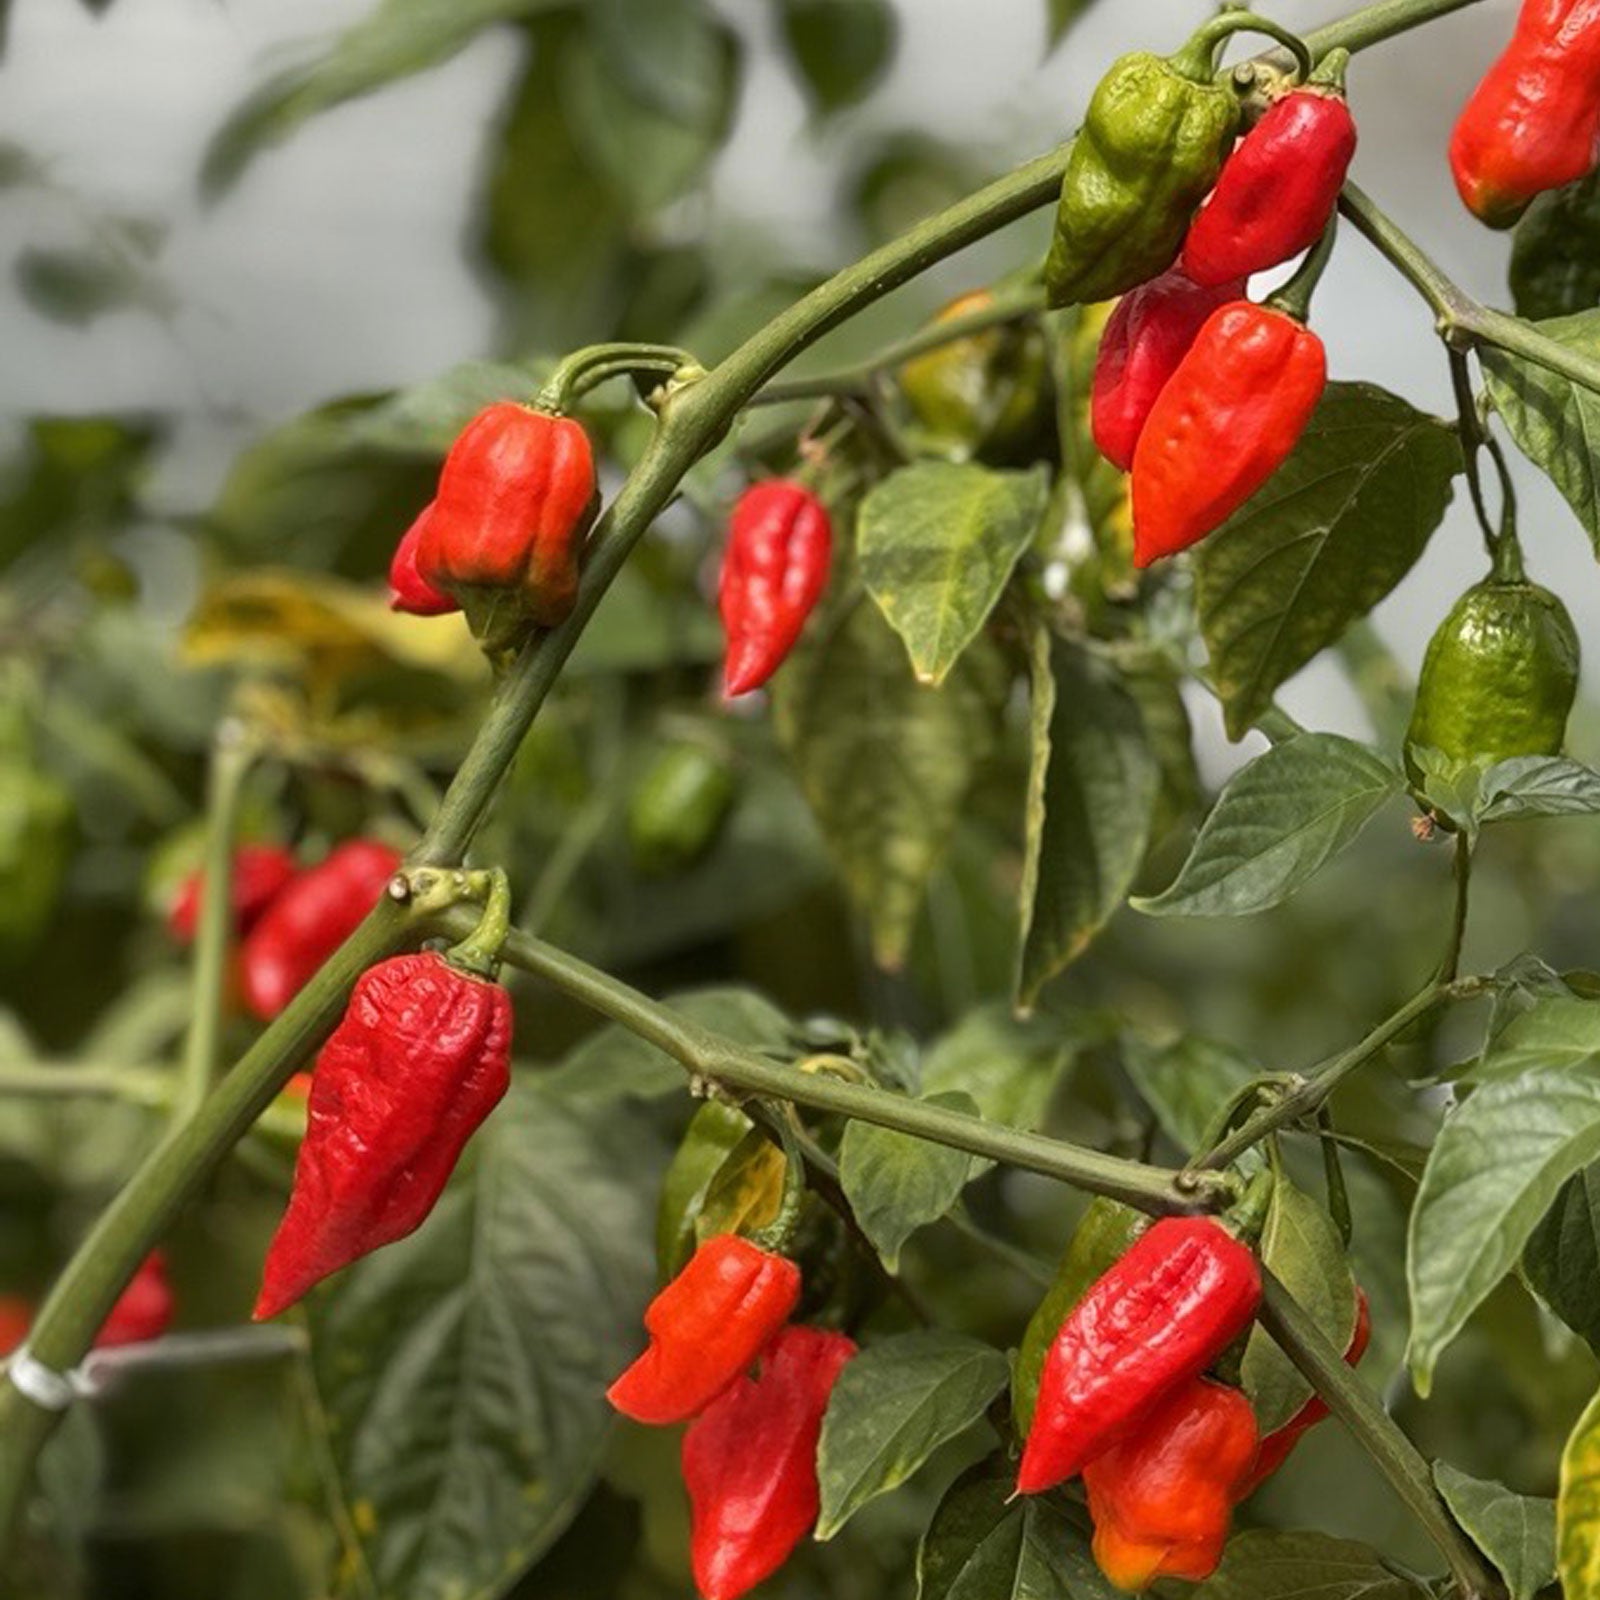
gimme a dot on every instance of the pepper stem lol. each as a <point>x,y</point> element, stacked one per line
<point>1330,70</point>
<point>1507,565</point>
<point>585,369</point>
<point>777,1234</point>
<point>1197,57</point>
<point>479,952</point>
<point>1294,298</point>
<point>1249,1216</point>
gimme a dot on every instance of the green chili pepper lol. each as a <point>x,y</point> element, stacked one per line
<point>678,808</point>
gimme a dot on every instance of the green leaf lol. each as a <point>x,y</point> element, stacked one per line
<point>1277,823</point>
<point>937,542</point>
<point>1060,16</point>
<point>75,287</point>
<point>463,1369</point>
<point>1008,1066</point>
<point>1185,1082</point>
<point>885,762</point>
<point>1578,1508</point>
<point>1562,1256</point>
<point>893,1406</point>
<point>1516,1531</point>
<point>395,40</point>
<point>1339,525</point>
<point>1301,1246</point>
<point>1538,786</point>
<point>1091,795</point>
<point>839,48</point>
<point>1553,420</point>
<point>1558,1030</point>
<point>1555,252</point>
<point>616,1064</point>
<point>1495,1170</point>
<point>896,1183</point>
<point>671,53</point>
<point>1304,1566</point>
<point>986,1542</point>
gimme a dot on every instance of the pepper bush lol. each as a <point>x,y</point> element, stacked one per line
<point>937,964</point>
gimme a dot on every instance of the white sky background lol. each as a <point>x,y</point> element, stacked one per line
<point>337,264</point>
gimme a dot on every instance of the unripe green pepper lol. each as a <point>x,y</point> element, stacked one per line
<point>36,825</point>
<point>1499,676</point>
<point>712,1134</point>
<point>678,808</point>
<point>1151,146</point>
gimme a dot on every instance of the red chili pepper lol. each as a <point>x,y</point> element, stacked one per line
<point>16,1317</point>
<point>1533,122</point>
<point>750,1462</point>
<point>1162,1497</point>
<point>1149,333</point>
<point>408,590</point>
<point>143,1310</point>
<point>1277,1445</point>
<point>1225,422</point>
<point>1276,191</point>
<point>1185,1289</point>
<point>515,499</point>
<point>706,1327</point>
<point>309,920</point>
<point>774,570</point>
<point>259,872</point>
<point>420,1058</point>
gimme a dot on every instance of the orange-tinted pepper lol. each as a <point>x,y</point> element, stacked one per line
<point>1162,1498</point>
<point>750,1462</point>
<point>1533,122</point>
<point>1225,422</point>
<point>1185,1289</point>
<point>706,1327</point>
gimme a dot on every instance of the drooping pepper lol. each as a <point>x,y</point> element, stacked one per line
<point>750,1462</point>
<point>1499,676</point>
<point>706,1327</point>
<point>774,569</point>
<point>505,530</point>
<point>1533,122</point>
<point>1162,1498</point>
<point>1277,1445</point>
<point>143,1310</point>
<point>1278,188</point>
<point>309,919</point>
<point>1149,334</point>
<point>420,1058</point>
<point>408,590</point>
<point>986,395</point>
<point>1224,423</point>
<point>1185,1289</point>
<point>260,872</point>
<point>1151,145</point>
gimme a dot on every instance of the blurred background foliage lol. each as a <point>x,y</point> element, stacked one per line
<point>135,614</point>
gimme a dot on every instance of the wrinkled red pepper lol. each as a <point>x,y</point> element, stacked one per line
<point>408,590</point>
<point>1533,122</point>
<point>1276,191</point>
<point>309,919</point>
<point>516,497</point>
<point>260,871</point>
<point>1225,422</point>
<point>1278,1444</point>
<point>706,1327</point>
<point>1148,334</point>
<point>750,1462</point>
<point>1185,1289</point>
<point>775,567</point>
<point>421,1057</point>
<point>1162,1497</point>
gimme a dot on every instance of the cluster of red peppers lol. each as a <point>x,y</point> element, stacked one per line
<point>750,1451</point>
<point>1165,1451</point>
<point>1200,392</point>
<point>1533,122</point>
<point>421,1056</point>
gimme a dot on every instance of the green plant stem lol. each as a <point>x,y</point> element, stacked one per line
<point>1377,23</point>
<point>1463,323</point>
<point>1451,964</point>
<point>232,754</point>
<point>1354,1404</point>
<point>706,1056</point>
<point>1306,1096</point>
<point>858,380</point>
